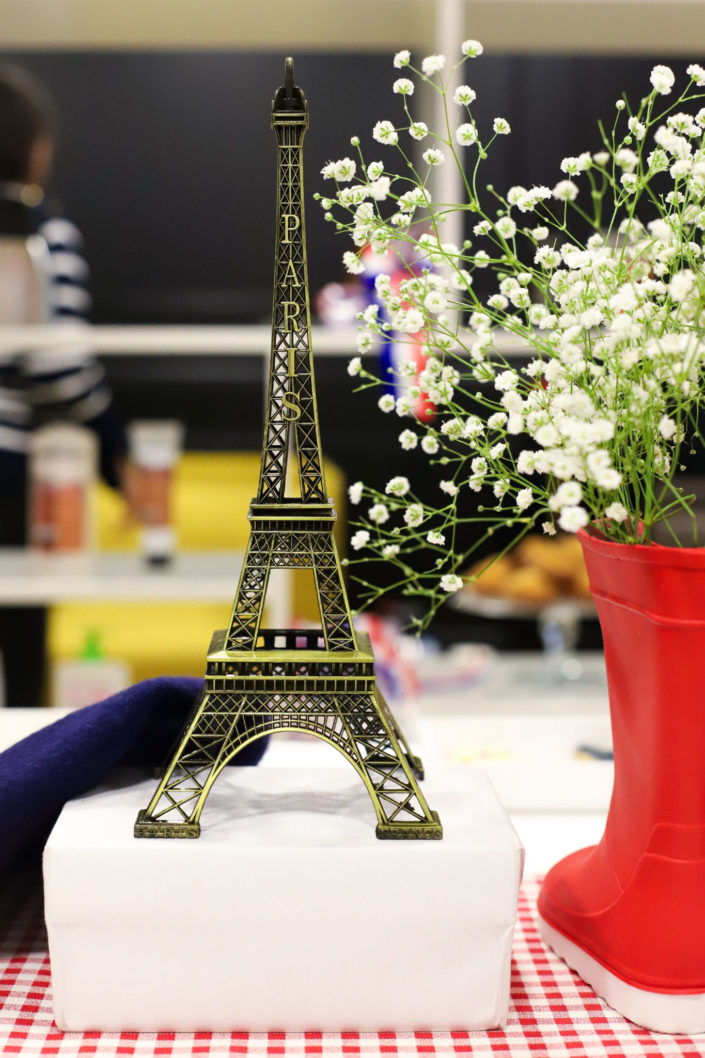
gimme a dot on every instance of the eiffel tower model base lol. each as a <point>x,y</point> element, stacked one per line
<point>291,684</point>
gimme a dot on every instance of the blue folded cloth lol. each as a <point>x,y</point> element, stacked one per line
<point>137,727</point>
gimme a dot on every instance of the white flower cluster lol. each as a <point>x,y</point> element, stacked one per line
<point>591,428</point>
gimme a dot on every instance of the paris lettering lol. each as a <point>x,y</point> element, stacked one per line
<point>290,275</point>
<point>291,223</point>
<point>290,401</point>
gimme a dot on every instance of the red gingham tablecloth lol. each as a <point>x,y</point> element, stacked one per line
<point>552,1012</point>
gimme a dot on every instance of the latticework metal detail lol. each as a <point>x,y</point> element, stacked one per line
<point>358,724</point>
<point>292,396</point>
<point>261,681</point>
<point>302,538</point>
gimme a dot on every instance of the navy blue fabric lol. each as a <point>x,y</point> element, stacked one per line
<point>137,727</point>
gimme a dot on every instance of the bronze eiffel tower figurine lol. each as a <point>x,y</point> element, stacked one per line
<point>260,681</point>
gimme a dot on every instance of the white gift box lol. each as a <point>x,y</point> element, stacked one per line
<point>287,913</point>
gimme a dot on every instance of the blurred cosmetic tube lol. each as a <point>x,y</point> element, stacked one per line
<point>155,447</point>
<point>62,469</point>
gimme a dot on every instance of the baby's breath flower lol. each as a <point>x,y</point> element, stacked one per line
<point>506,227</point>
<point>569,494</point>
<point>637,129</point>
<point>471,48</point>
<point>378,513</point>
<point>384,132</point>
<point>626,159</point>
<point>697,74</point>
<point>355,492</point>
<point>616,512</point>
<point>379,189</point>
<point>359,539</point>
<point>430,444</point>
<point>466,135</point>
<point>662,78</point>
<point>565,191</point>
<point>451,582</point>
<point>548,528</point>
<point>344,170</point>
<point>408,440</point>
<point>402,58</point>
<point>432,156</point>
<point>464,95</point>
<point>452,428</point>
<point>364,341</point>
<point>574,166</point>
<point>418,130</point>
<point>525,497</point>
<point>436,537</point>
<point>403,86</point>
<point>666,427</point>
<point>572,519</point>
<point>448,487</point>
<point>540,233</point>
<point>435,302</point>
<point>375,170</point>
<point>681,285</point>
<point>352,263</point>
<point>355,366</point>
<point>390,550</point>
<point>411,321</point>
<point>501,126</point>
<point>398,486</point>
<point>414,515</point>
<point>546,257</point>
<point>386,403</point>
<point>432,64</point>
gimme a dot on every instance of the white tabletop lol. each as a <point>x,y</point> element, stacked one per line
<point>29,579</point>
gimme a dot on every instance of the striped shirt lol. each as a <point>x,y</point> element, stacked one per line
<point>67,384</point>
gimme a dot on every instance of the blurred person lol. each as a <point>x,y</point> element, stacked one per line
<point>64,384</point>
<point>45,385</point>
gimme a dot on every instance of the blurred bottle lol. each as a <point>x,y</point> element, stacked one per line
<point>62,469</point>
<point>89,678</point>
<point>155,447</point>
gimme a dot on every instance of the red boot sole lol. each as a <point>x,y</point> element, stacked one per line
<point>671,1012</point>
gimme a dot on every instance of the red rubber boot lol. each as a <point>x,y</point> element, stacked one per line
<point>629,914</point>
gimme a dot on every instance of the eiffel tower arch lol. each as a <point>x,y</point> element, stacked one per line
<point>262,681</point>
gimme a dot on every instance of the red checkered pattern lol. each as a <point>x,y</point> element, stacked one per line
<point>552,1013</point>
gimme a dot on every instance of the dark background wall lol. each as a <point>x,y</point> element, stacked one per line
<point>166,159</point>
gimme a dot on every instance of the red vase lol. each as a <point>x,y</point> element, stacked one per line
<point>629,914</point>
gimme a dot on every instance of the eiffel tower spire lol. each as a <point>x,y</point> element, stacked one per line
<point>258,680</point>
<point>292,396</point>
